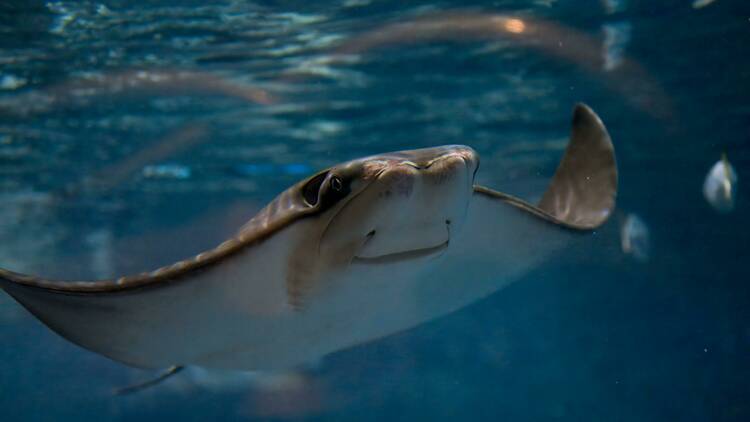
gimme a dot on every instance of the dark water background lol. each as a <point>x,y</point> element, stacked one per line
<point>594,335</point>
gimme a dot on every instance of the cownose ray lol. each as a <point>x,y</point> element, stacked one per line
<point>353,253</point>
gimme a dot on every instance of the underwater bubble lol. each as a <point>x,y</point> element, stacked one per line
<point>635,238</point>
<point>720,186</point>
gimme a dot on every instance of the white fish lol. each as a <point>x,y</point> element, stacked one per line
<point>355,252</point>
<point>720,186</point>
<point>635,238</point>
<point>699,4</point>
<point>616,39</point>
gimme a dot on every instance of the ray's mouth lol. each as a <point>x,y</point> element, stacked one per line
<point>400,256</point>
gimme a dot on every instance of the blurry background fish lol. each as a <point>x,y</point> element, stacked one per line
<point>635,238</point>
<point>720,186</point>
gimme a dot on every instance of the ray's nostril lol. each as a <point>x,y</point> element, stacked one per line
<point>448,222</point>
<point>371,234</point>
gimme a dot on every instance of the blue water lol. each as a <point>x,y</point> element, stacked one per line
<point>96,182</point>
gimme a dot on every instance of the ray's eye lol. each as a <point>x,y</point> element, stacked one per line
<point>336,184</point>
<point>322,190</point>
<point>312,188</point>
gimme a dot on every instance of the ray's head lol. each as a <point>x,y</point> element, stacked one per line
<point>392,207</point>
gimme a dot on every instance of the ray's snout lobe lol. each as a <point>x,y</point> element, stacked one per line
<point>410,210</point>
<point>427,157</point>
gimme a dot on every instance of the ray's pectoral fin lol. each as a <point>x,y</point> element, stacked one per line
<point>582,193</point>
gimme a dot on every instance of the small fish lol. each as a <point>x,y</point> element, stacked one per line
<point>720,186</point>
<point>699,4</point>
<point>616,39</point>
<point>635,238</point>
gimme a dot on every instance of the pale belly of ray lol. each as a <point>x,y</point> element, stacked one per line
<point>372,301</point>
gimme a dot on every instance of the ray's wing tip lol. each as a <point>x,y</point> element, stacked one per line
<point>584,117</point>
<point>583,191</point>
<point>583,108</point>
<point>603,153</point>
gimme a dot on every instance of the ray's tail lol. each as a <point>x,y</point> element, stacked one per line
<point>134,388</point>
